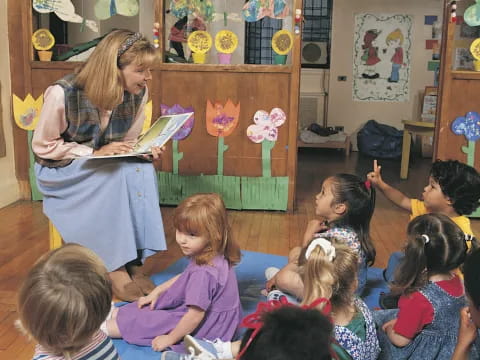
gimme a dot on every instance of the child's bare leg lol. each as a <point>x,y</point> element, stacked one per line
<point>112,327</point>
<point>294,254</point>
<point>288,280</point>
<point>236,348</point>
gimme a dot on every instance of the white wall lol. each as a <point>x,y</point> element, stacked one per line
<point>9,191</point>
<point>342,110</point>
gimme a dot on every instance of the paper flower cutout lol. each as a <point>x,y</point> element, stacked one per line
<point>468,125</point>
<point>27,112</point>
<point>199,41</point>
<point>43,39</point>
<point>282,42</point>
<point>226,41</point>
<point>186,128</point>
<point>475,48</point>
<point>266,125</point>
<point>222,120</point>
<point>255,10</point>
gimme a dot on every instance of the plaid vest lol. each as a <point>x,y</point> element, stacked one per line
<point>83,119</point>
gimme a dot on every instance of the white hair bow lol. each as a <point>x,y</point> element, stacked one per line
<point>326,246</point>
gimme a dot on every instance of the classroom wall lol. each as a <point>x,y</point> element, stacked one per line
<point>342,110</point>
<point>9,191</point>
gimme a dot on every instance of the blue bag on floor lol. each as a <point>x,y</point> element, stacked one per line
<point>380,141</point>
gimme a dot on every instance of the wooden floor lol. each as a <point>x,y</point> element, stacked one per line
<point>24,232</point>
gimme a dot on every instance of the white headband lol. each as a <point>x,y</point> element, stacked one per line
<point>326,246</point>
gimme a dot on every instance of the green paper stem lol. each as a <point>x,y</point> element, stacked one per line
<point>221,149</point>
<point>267,147</point>
<point>470,151</point>
<point>225,18</point>
<point>177,156</point>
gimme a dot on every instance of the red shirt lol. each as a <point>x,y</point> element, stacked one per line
<point>415,311</point>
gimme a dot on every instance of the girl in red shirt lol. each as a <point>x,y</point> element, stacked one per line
<point>425,325</point>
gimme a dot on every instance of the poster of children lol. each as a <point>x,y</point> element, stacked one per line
<point>381,57</point>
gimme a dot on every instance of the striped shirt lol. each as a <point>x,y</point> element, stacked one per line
<point>100,348</point>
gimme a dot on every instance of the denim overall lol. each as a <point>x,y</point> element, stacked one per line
<point>437,340</point>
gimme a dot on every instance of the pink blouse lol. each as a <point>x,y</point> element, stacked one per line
<point>47,142</point>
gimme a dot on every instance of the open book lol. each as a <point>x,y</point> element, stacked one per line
<point>159,133</point>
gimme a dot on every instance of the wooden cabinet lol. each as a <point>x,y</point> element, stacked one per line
<point>459,93</point>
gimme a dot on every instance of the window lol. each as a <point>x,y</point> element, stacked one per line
<point>316,33</point>
<point>258,40</point>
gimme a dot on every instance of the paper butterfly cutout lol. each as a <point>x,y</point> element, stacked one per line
<point>468,125</point>
<point>65,10</point>
<point>255,10</point>
<point>266,125</point>
<point>105,9</point>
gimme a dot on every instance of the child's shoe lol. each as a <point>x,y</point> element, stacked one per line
<point>218,349</point>
<point>172,355</point>
<point>270,272</point>
<point>277,295</point>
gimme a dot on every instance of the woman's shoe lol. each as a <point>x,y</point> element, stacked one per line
<point>143,281</point>
<point>123,286</point>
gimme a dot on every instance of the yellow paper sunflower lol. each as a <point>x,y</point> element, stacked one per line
<point>199,41</point>
<point>226,41</point>
<point>282,42</point>
<point>43,39</point>
<point>475,49</point>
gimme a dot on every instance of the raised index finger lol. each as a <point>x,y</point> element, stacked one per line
<point>375,165</point>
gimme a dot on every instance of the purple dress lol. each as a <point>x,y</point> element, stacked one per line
<point>212,288</point>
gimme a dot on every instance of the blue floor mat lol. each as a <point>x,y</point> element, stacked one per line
<point>251,280</point>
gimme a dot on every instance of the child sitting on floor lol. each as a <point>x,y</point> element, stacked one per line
<point>277,331</point>
<point>204,299</point>
<point>453,190</point>
<point>62,303</point>
<point>344,208</point>
<point>329,273</point>
<point>470,316</point>
<point>425,325</point>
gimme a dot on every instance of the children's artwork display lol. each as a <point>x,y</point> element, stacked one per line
<point>255,10</point>
<point>65,10</point>
<point>239,192</point>
<point>468,126</point>
<point>265,192</point>
<point>381,57</point>
<point>199,8</point>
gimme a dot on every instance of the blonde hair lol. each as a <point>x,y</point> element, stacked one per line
<point>395,35</point>
<point>64,299</point>
<point>333,280</point>
<point>205,215</point>
<point>101,76</point>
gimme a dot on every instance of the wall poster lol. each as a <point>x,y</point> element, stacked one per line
<point>381,57</point>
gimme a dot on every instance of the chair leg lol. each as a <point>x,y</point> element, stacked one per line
<point>405,154</point>
<point>54,236</point>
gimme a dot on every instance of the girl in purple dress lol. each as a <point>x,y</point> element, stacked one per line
<point>204,299</point>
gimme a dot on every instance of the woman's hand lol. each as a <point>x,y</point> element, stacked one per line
<point>161,342</point>
<point>114,148</point>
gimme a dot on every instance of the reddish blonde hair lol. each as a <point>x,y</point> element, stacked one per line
<point>205,215</point>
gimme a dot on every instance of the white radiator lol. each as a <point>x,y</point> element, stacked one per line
<point>311,109</point>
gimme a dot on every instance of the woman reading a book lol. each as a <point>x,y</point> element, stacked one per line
<point>108,205</point>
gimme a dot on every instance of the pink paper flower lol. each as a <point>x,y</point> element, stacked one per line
<point>266,125</point>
